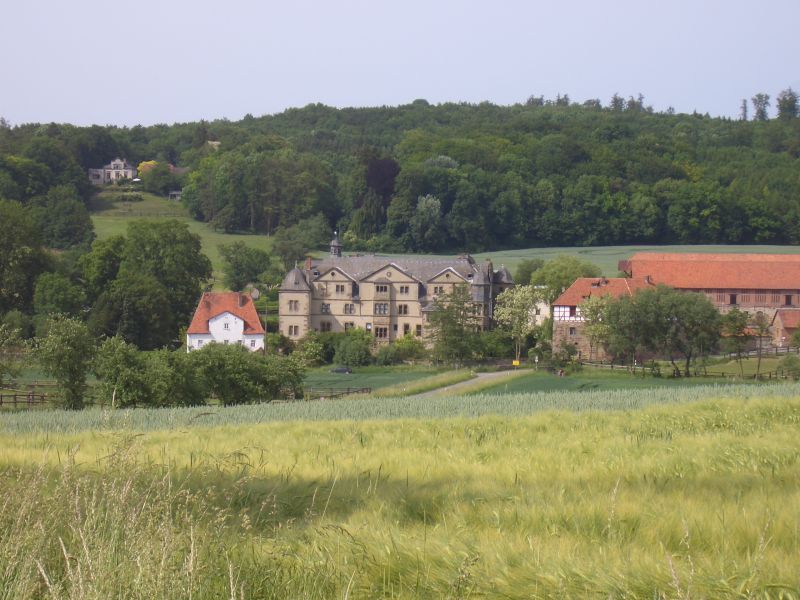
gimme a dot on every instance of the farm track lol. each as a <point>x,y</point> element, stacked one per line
<point>479,379</point>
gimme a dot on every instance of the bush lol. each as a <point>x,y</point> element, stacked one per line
<point>354,349</point>
<point>388,355</point>
<point>791,366</point>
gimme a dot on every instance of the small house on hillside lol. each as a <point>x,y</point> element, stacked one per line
<point>225,318</point>
<point>117,169</point>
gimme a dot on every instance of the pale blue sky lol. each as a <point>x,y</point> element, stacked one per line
<point>88,61</point>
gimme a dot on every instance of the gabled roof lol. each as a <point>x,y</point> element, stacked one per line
<point>393,265</point>
<point>451,270</point>
<point>790,318</point>
<point>213,304</point>
<point>718,271</point>
<point>422,269</point>
<point>587,287</point>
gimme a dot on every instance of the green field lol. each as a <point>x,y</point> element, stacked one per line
<point>664,493</point>
<point>114,221</point>
<point>372,377</point>
<point>594,379</point>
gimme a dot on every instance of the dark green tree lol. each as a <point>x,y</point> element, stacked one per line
<point>760,107</point>
<point>66,352</point>
<point>243,264</point>
<point>21,257</point>
<point>452,326</point>
<point>788,104</point>
<point>54,293</point>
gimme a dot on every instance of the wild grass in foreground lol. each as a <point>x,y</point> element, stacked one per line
<point>368,408</point>
<point>695,500</point>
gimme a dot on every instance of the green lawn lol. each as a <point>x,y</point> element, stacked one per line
<point>591,379</point>
<point>373,377</point>
<point>114,221</point>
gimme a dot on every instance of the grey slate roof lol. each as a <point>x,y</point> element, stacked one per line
<point>423,269</point>
<point>295,281</point>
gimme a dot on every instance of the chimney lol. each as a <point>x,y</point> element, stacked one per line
<point>308,265</point>
<point>242,299</point>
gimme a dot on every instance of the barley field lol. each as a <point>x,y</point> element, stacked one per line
<point>664,493</point>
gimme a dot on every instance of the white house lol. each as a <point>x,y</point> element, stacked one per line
<point>225,318</point>
<point>119,168</point>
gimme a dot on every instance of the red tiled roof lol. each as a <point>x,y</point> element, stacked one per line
<point>215,303</point>
<point>586,287</point>
<point>790,319</point>
<point>719,271</point>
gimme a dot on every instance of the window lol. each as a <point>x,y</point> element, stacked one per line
<point>381,289</point>
<point>406,328</point>
<point>776,298</point>
<point>325,309</point>
<point>340,288</point>
<point>537,311</point>
<point>419,330</point>
<point>294,305</point>
<point>349,309</point>
<point>787,300</point>
<point>761,298</point>
<point>573,311</point>
<point>732,299</point>
<point>325,326</point>
<point>402,309</point>
<point>572,331</point>
<point>294,330</point>
<point>199,343</point>
<point>438,289</point>
<point>349,326</point>
<point>404,289</point>
<point>226,326</point>
<point>382,332</point>
<point>252,343</point>
<point>394,327</point>
<point>381,308</point>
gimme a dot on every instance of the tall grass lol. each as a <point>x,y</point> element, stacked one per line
<point>369,408</point>
<point>678,500</point>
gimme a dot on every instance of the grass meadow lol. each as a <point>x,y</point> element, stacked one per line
<point>662,493</point>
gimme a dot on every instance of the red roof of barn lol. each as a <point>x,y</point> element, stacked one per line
<point>719,271</point>
<point>586,287</point>
<point>213,304</point>
<point>790,319</point>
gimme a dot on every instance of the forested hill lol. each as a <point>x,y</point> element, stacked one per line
<point>459,177</point>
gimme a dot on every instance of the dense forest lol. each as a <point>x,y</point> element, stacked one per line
<point>453,177</point>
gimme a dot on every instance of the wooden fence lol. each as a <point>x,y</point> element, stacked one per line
<point>330,393</point>
<point>23,399</point>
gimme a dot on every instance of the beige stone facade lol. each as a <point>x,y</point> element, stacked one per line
<point>389,297</point>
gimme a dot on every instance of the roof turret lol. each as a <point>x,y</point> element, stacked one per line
<point>295,281</point>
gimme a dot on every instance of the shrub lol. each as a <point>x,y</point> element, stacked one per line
<point>354,348</point>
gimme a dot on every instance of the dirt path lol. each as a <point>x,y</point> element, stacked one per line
<point>457,387</point>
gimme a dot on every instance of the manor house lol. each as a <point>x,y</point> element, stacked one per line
<point>389,297</point>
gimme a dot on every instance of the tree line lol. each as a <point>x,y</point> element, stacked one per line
<point>455,177</point>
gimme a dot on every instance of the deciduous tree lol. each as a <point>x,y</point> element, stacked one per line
<point>65,353</point>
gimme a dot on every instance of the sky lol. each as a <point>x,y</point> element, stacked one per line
<point>116,63</point>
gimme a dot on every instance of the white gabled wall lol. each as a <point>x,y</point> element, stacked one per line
<point>225,328</point>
